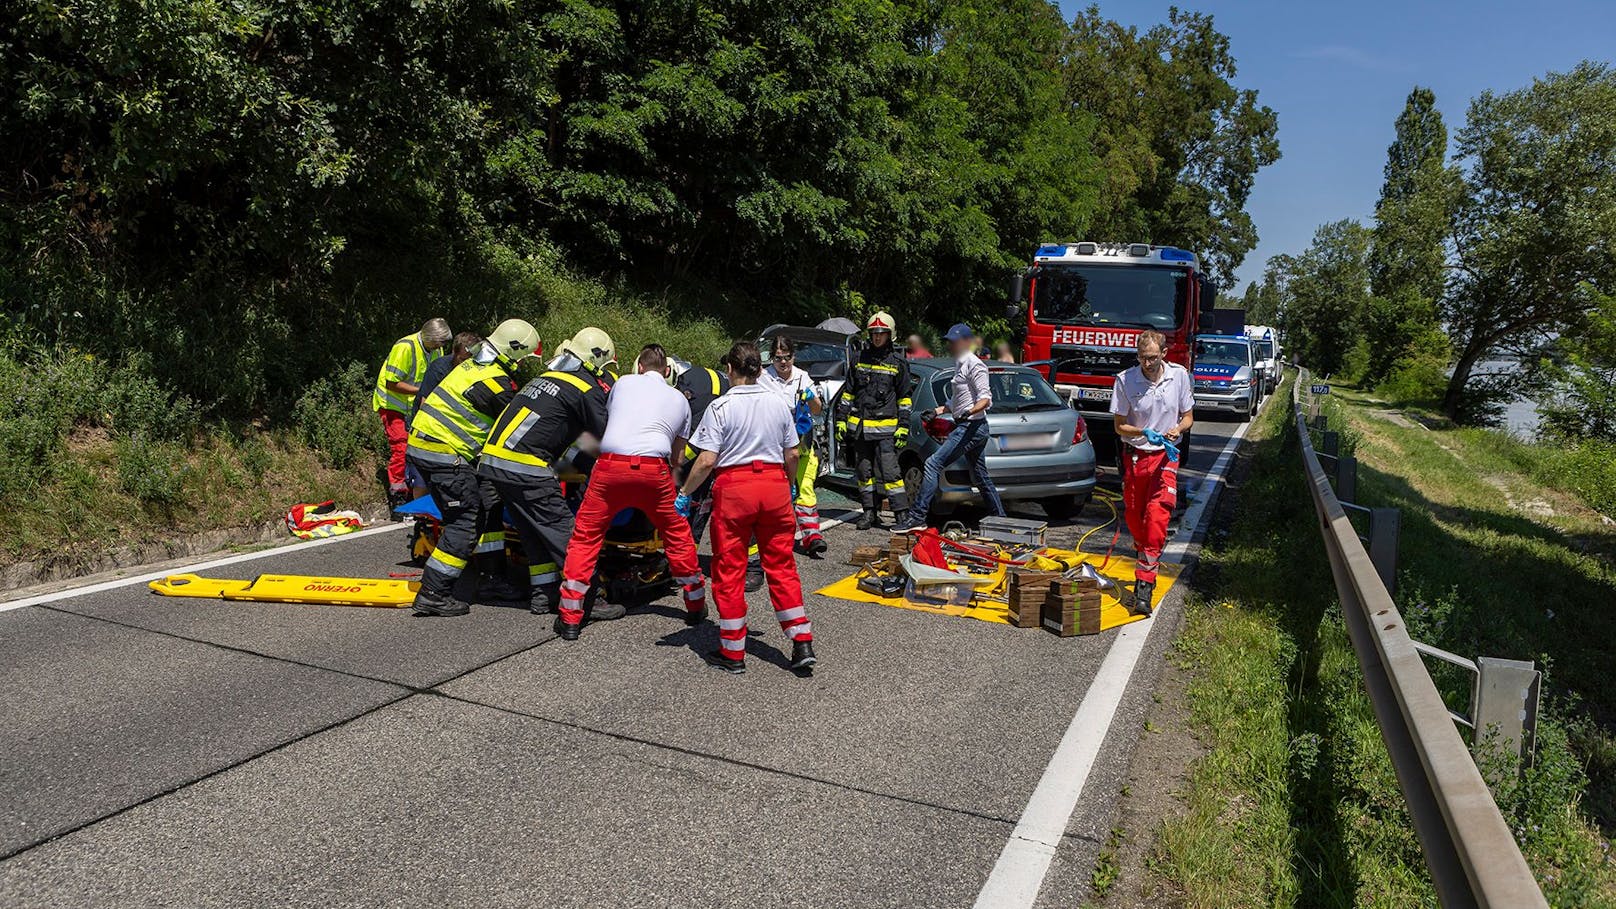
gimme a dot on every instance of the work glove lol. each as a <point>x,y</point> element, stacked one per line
<point>681,504</point>
<point>901,436</point>
<point>926,416</point>
<point>841,430</point>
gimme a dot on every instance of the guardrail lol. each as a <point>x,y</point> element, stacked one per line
<point>1472,856</point>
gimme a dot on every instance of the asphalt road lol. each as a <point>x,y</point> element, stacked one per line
<point>163,752</point>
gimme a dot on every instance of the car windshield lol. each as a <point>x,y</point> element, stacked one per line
<point>1136,295</point>
<point>1223,353</point>
<point>1014,391</point>
<point>1267,348</point>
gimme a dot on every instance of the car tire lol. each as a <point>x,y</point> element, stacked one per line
<point>1064,508</point>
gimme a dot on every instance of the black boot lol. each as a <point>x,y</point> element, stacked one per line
<point>754,578</point>
<point>802,655</point>
<point>866,519</point>
<point>437,605</point>
<point>717,660</point>
<point>566,630</point>
<point>696,617</point>
<point>543,601</point>
<point>1143,593</point>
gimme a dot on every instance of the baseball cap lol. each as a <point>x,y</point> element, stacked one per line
<point>959,332</point>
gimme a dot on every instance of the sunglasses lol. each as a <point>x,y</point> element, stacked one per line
<point>784,358</point>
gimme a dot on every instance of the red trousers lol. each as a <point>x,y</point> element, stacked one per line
<point>618,482</point>
<point>398,439</point>
<point>1149,493</point>
<point>754,500</point>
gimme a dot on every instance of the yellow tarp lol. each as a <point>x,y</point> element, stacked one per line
<point>1112,612</point>
<point>285,588</point>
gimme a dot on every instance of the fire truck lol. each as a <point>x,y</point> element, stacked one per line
<point>1084,305</point>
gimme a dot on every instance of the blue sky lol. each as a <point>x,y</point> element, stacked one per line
<point>1338,73</point>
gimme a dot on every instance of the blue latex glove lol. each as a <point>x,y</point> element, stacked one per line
<point>681,504</point>
<point>808,394</point>
<point>793,493</point>
<point>1156,438</point>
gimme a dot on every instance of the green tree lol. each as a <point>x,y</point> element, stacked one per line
<point>1413,220</point>
<point>1327,292</point>
<point>1535,242</point>
<point>1579,401</point>
<point>1179,144</point>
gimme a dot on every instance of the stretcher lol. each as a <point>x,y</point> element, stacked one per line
<point>291,588</point>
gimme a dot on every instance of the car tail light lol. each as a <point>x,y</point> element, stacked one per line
<point>939,427</point>
<point>1082,431</point>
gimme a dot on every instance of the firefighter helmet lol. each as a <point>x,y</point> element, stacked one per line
<point>593,347</point>
<point>514,340</point>
<point>881,321</point>
<point>676,368</point>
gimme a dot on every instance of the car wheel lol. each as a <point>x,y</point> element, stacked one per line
<point>1064,508</point>
<point>914,473</point>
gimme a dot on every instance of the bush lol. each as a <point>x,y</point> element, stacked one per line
<point>152,471</point>
<point>1420,375</point>
<point>334,416</point>
<point>1587,469</point>
<point>41,394</point>
<point>132,403</point>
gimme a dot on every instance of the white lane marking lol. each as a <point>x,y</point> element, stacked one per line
<point>72,592</point>
<point>1024,862</point>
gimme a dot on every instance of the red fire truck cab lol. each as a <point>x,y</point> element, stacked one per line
<point>1084,305</point>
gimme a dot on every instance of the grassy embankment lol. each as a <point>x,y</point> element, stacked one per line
<point>1294,802</point>
<point>102,456</point>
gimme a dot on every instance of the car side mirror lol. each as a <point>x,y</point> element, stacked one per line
<point>1209,295</point>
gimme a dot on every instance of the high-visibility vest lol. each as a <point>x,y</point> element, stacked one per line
<point>447,424</point>
<point>406,362</point>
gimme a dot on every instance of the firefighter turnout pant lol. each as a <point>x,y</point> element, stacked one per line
<point>471,536</point>
<point>1149,493</point>
<point>754,501</point>
<point>878,474</point>
<point>544,522</point>
<point>629,481</point>
<point>807,503</point>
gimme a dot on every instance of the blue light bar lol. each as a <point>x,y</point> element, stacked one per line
<point>1051,251</point>
<point>1170,254</point>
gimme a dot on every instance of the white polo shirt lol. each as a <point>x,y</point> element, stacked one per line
<point>745,424</point>
<point>1152,405</point>
<point>790,390</point>
<point>643,416</point>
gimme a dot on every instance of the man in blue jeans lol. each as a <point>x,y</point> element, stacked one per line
<point>969,398</point>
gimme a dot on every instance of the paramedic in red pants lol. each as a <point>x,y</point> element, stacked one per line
<point>750,437</point>
<point>1155,395</point>
<point>647,422</point>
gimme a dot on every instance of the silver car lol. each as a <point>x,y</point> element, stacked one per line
<point>1038,448</point>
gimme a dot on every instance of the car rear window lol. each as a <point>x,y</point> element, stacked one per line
<point>1014,391</point>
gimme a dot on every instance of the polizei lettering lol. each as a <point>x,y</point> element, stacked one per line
<point>1096,337</point>
<point>332,588</point>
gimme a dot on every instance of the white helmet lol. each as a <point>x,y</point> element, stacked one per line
<point>676,368</point>
<point>882,321</point>
<point>515,340</point>
<point>594,348</point>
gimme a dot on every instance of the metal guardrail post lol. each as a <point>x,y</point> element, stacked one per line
<point>1330,442</point>
<point>1471,853</point>
<point>1346,479</point>
<point>1504,705</point>
<point>1385,526</point>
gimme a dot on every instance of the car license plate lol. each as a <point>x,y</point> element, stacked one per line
<point>1025,441</point>
<point>1094,394</point>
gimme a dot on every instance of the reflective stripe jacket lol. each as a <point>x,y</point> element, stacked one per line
<point>454,420</point>
<point>877,398</point>
<point>702,386</point>
<point>542,422</point>
<point>406,362</point>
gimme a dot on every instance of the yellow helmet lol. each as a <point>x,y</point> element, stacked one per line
<point>514,340</point>
<point>882,321</point>
<point>594,347</point>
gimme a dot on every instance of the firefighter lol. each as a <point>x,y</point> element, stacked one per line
<point>874,417</point>
<point>796,388</point>
<point>749,437</point>
<point>445,441</point>
<point>592,348</point>
<point>1152,406</point>
<point>396,385</point>
<point>647,424</point>
<point>538,430</point>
